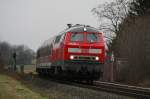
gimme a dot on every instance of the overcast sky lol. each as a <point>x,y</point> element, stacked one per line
<point>30,22</point>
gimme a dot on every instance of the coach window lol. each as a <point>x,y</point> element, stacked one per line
<point>38,54</point>
<point>49,49</point>
<point>57,39</point>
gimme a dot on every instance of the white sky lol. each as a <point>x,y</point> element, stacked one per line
<point>30,22</point>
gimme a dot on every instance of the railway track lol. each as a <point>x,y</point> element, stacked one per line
<point>132,91</point>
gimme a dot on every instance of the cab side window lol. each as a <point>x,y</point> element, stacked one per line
<point>57,40</point>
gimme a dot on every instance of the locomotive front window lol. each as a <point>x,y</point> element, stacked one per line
<point>92,37</point>
<point>77,37</point>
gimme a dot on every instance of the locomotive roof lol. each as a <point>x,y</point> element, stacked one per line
<point>75,28</point>
<point>80,28</point>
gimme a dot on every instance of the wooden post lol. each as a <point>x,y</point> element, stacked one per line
<point>14,58</point>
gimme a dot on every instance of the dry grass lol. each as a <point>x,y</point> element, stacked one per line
<point>13,89</point>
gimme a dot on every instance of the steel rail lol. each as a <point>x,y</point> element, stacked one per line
<point>138,92</point>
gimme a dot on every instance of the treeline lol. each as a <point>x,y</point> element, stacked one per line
<point>133,42</point>
<point>24,55</point>
<point>129,22</point>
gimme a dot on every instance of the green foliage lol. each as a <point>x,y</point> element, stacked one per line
<point>140,7</point>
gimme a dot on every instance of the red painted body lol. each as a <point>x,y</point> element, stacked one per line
<point>84,46</point>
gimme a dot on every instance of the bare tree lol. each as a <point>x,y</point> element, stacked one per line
<point>24,55</point>
<point>5,52</point>
<point>111,15</point>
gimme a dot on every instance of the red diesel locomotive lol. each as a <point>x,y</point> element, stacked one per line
<point>78,52</point>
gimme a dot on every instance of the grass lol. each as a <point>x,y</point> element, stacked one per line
<point>13,89</point>
<point>27,68</point>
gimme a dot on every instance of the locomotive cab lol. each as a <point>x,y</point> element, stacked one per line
<point>88,46</point>
<point>84,52</point>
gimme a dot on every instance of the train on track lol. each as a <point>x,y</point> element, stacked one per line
<point>78,52</point>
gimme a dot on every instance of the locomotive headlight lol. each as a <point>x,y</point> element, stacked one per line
<point>71,57</point>
<point>95,51</point>
<point>96,58</point>
<point>74,50</point>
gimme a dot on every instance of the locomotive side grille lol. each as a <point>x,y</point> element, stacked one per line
<point>84,58</point>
